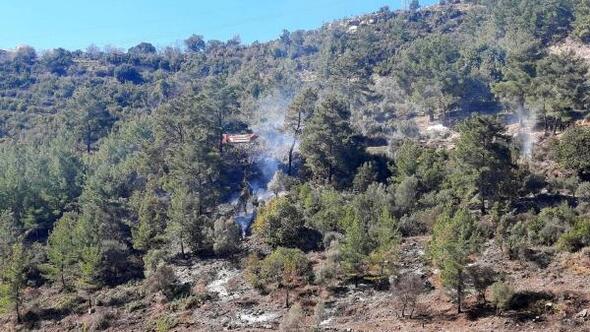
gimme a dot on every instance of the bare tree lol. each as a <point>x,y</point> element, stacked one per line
<point>407,291</point>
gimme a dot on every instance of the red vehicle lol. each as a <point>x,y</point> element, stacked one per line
<point>238,138</point>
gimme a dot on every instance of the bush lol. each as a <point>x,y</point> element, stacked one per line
<point>583,192</point>
<point>481,277</point>
<point>502,294</point>
<point>226,237</point>
<point>572,150</point>
<point>547,227</point>
<point>412,225</point>
<point>127,73</point>
<point>294,320</point>
<point>280,223</point>
<point>331,237</point>
<point>164,323</point>
<point>365,175</point>
<point>576,238</point>
<point>118,296</point>
<point>407,290</point>
<point>319,313</point>
<point>517,240</point>
<point>162,280</point>
<point>101,321</point>
<point>153,259</point>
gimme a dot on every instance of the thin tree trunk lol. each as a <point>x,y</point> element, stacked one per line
<point>17,308</point>
<point>482,205</point>
<point>63,280</point>
<point>291,156</point>
<point>413,307</point>
<point>459,291</point>
<point>182,248</point>
<point>287,297</point>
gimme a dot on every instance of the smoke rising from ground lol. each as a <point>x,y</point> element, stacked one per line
<point>269,152</point>
<point>527,121</point>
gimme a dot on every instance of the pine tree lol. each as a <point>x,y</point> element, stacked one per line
<point>13,278</point>
<point>484,158</point>
<point>151,220</point>
<point>298,114</point>
<point>181,216</point>
<point>89,118</point>
<point>454,239</point>
<point>355,247</point>
<point>284,268</point>
<point>328,144</point>
<point>387,243</point>
<point>61,250</point>
<point>560,89</point>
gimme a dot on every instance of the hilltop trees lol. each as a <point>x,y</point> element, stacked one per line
<point>427,71</point>
<point>141,173</point>
<point>195,43</point>
<point>89,118</point>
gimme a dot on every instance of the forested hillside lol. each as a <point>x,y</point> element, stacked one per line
<point>426,168</point>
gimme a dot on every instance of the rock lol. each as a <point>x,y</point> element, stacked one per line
<point>582,314</point>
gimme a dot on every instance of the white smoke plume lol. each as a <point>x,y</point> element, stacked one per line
<point>527,121</point>
<point>270,152</point>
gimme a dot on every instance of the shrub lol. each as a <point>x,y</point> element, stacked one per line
<point>331,237</point>
<point>164,323</point>
<point>365,175</point>
<point>481,277</point>
<point>550,224</point>
<point>117,296</point>
<point>101,321</point>
<point>501,295</point>
<point>162,280</point>
<point>226,237</point>
<point>517,240</point>
<point>583,192</point>
<point>407,291</point>
<point>153,259</point>
<point>576,238</point>
<point>319,313</point>
<point>412,225</point>
<point>294,320</point>
<point>280,223</point>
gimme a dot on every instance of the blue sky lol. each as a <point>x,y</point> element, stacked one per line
<point>75,24</point>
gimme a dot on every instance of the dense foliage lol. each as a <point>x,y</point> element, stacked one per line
<point>113,163</point>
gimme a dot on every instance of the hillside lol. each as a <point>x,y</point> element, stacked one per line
<point>422,169</point>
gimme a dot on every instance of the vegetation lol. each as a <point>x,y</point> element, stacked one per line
<point>371,132</point>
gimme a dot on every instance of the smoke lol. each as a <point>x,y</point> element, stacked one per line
<point>271,151</point>
<point>268,123</point>
<point>527,121</point>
